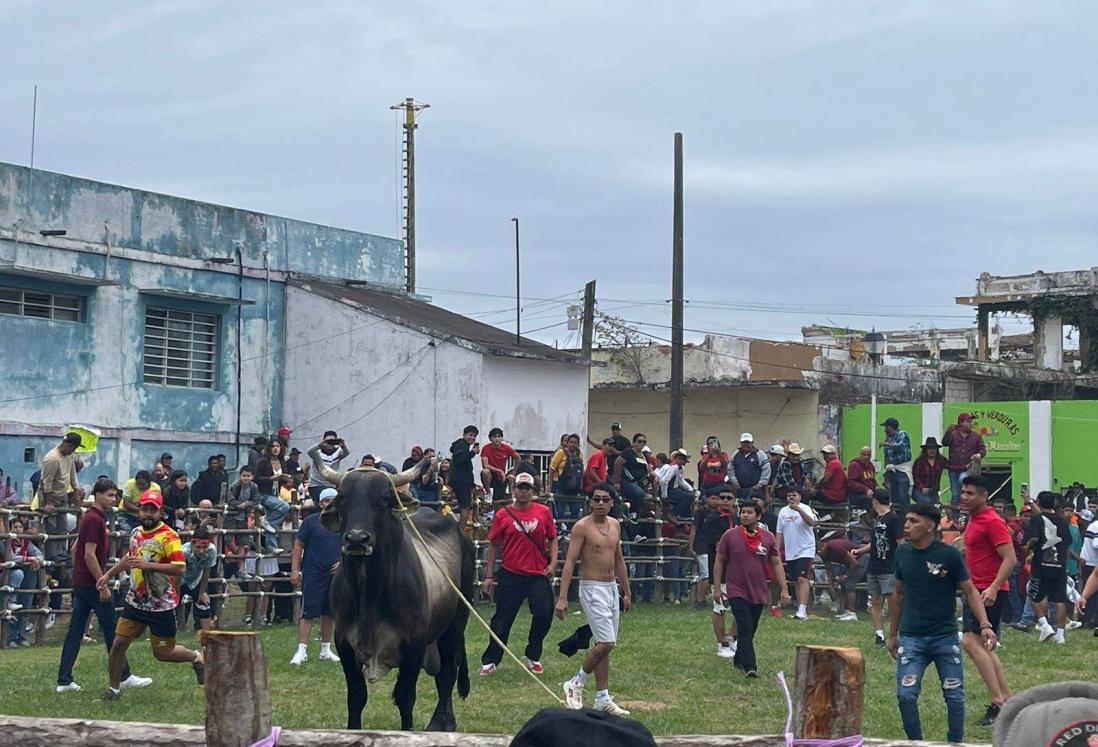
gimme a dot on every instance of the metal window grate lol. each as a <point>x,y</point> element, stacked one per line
<point>41,304</point>
<point>180,348</point>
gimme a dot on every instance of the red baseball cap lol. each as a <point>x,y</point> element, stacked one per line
<point>964,416</point>
<point>285,431</point>
<point>151,496</point>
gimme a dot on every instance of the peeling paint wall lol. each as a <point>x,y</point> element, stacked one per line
<point>534,402</point>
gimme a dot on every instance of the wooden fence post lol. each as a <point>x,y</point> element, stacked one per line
<point>828,692</point>
<point>238,701</point>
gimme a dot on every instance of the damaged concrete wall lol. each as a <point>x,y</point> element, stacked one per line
<point>534,402</point>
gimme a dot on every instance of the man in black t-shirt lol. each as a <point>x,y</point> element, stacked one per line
<point>1048,537</point>
<point>888,531</point>
<point>631,471</point>
<point>710,524</point>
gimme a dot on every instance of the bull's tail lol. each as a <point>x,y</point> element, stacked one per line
<point>463,673</point>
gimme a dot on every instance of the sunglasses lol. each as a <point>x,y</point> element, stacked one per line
<point>606,499</point>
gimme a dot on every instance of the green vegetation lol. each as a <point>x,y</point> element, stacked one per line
<point>665,671</point>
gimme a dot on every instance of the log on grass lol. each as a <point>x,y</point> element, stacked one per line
<point>238,698</point>
<point>828,692</point>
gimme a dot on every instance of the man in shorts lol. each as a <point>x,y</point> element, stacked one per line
<point>596,543</point>
<point>200,556</point>
<point>797,538</point>
<point>155,554</point>
<point>493,459</point>
<point>888,531</point>
<point>1049,539</point>
<point>321,549</point>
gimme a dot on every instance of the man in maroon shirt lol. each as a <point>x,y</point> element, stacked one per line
<point>89,561</point>
<point>844,572</point>
<point>833,484</point>
<point>989,557</point>
<point>861,479</point>
<point>744,552</point>
<point>966,448</point>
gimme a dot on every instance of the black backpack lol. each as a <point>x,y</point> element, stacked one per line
<point>560,727</point>
<point>571,476</point>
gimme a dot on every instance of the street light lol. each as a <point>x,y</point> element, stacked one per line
<point>876,344</point>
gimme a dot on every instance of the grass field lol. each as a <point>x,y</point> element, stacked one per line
<point>665,671</point>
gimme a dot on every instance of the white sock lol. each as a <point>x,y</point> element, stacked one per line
<point>602,695</point>
<point>1060,633</point>
<point>302,648</point>
<point>1043,622</point>
<point>325,647</point>
<point>581,677</point>
<point>880,633</point>
<point>802,609</point>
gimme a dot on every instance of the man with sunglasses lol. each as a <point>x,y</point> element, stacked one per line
<point>524,536</point>
<point>631,472</point>
<point>595,543</point>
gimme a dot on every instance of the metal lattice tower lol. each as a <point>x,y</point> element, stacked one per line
<point>408,193</point>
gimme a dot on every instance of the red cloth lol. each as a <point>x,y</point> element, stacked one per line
<point>595,465</point>
<point>93,528</point>
<point>744,568</point>
<point>927,476</point>
<point>833,485</point>
<point>496,456</point>
<point>860,477</point>
<point>713,468</point>
<point>836,550</point>
<point>984,532</point>
<point>520,554</point>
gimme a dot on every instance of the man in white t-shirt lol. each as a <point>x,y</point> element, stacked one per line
<point>333,449</point>
<point>797,537</point>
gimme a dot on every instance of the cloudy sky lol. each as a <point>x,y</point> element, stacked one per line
<point>858,163</point>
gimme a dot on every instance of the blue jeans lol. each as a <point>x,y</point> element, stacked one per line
<point>19,579</point>
<point>1013,599</point>
<point>925,496</point>
<point>915,654</point>
<point>632,493</point>
<point>899,487</point>
<point>955,486</point>
<point>276,509</point>
<point>85,601</point>
<point>1029,617</point>
<point>681,500</point>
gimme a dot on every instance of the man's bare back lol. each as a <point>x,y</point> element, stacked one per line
<point>598,547</point>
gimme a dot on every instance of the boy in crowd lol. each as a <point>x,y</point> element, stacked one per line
<point>200,556</point>
<point>493,458</point>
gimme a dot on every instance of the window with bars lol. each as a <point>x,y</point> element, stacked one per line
<point>180,348</point>
<point>41,304</point>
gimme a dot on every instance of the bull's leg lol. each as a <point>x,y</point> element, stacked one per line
<point>450,646</point>
<point>356,683</point>
<point>404,694</point>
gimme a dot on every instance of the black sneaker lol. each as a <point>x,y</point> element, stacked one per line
<point>199,672</point>
<point>1096,632</point>
<point>112,694</point>
<point>990,715</point>
<point>1020,627</point>
<point>879,641</point>
<point>752,674</point>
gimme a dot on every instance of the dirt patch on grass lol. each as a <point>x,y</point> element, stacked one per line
<point>644,705</point>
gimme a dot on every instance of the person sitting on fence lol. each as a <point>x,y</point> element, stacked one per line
<point>129,517</point>
<point>428,485</point>
<point>177,498</point>
<point>154,556</point>
<point>267,472</point>
<point>675,488</point>
<point>22,551</point>
<point>321,550</point>
<point>207,486</point>
<point>200,557</point>
<point>243,497</point>
<point>566,475</point>
<point>493,458</point>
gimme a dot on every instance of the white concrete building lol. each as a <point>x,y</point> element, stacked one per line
<point>388,371</point>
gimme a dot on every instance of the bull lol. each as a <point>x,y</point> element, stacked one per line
<point>391,602</point>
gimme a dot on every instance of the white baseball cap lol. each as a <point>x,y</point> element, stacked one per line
<point>746,437</point>
<point>327,493</point>
<point>524,478</point>
<point>827,449</point>
<point>777,449</point>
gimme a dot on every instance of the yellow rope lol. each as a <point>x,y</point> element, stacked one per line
<point>415,530</point>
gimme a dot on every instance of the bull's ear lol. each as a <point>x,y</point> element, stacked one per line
<point>330,517</point>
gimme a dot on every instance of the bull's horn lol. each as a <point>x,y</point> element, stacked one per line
<point>325,471</point>
<point>412,473</point>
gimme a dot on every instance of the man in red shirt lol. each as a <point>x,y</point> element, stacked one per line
<point>989,557</point>
<point>524,536</point>
<point>744,552</point>
<point>833,484</point>
<point>596,470</point>
<point>493,457</point>
<point>89,561</point>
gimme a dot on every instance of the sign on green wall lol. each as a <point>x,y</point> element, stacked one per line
<point>1004,426</point>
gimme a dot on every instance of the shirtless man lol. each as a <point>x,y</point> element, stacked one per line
<point>596,543</point>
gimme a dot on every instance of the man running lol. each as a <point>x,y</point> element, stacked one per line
<point>744,552</point>
<point>596,544</point>
<point>1048,538</point>
<point>155,553</point>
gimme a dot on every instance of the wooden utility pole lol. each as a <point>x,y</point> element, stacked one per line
<point>675,426</point>
<point>410,107</point>
<point>518,287</point>
<point>238,699</point>
<point>588,318</point>
<point>828,692</point>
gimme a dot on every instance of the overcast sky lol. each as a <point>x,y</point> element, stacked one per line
<point>859,163</point>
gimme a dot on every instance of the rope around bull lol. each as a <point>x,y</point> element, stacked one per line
<point>415,530</point>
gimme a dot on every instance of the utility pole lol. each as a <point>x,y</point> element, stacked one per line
<point>408,173</point>
<point>675,426</point>
<point>588,318</point>
<point>518,287</point>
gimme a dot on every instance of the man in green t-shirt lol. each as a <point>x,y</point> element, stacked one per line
<point>924,620</point>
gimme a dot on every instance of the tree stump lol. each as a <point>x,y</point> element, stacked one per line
<point>828,692</point>
<point>238,701</point>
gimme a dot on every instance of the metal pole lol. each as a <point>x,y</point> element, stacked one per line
<point>873,414</point>
<point>410,208</point>
<point>518,287</point>
<point>34,123</point>
<point>676,424</point>
<point>588,318</point>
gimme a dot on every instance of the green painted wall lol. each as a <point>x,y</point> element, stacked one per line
<point>855,427</point>
<point>1074,434</point>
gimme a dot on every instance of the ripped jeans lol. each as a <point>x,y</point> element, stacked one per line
<point>915,654</point>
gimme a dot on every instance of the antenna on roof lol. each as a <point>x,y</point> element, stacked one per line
<point>34,122</point>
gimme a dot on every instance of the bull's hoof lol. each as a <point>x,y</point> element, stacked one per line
<point>441,724</point>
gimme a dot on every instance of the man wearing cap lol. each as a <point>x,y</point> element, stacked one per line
<point>524,537</point>
<point>781,474</point>
<point>926,473</point>
<point>59,488</point>
<point>833,483</point>
<point>320,548</point>
<point>200,556</point>
<point>966,451</point>
<point>332,451</point>
<point>749,471</point>
<point>897,461</point>
<point>154,556</point>
<point>678,492</point>
<point>801,478</point>
<point>284,435</point>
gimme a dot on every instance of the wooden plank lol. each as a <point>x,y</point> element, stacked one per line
<point>828,697</point>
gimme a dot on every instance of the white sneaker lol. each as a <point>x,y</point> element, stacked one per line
<point>72,687</point>
<point>609,706</point>
<point>328,655</point>
<point>573,694</point>
<point>1073,625</point>
<point>299,658</point>
<point>488,669</point>
<point>725,651</point>
<point>1043,634</point>
<point>848,617</point>
<point>133,681</point>
<point>50,620</point>
<point>1058,640</point>
<point>800,615</point>
<point>13,606</point>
